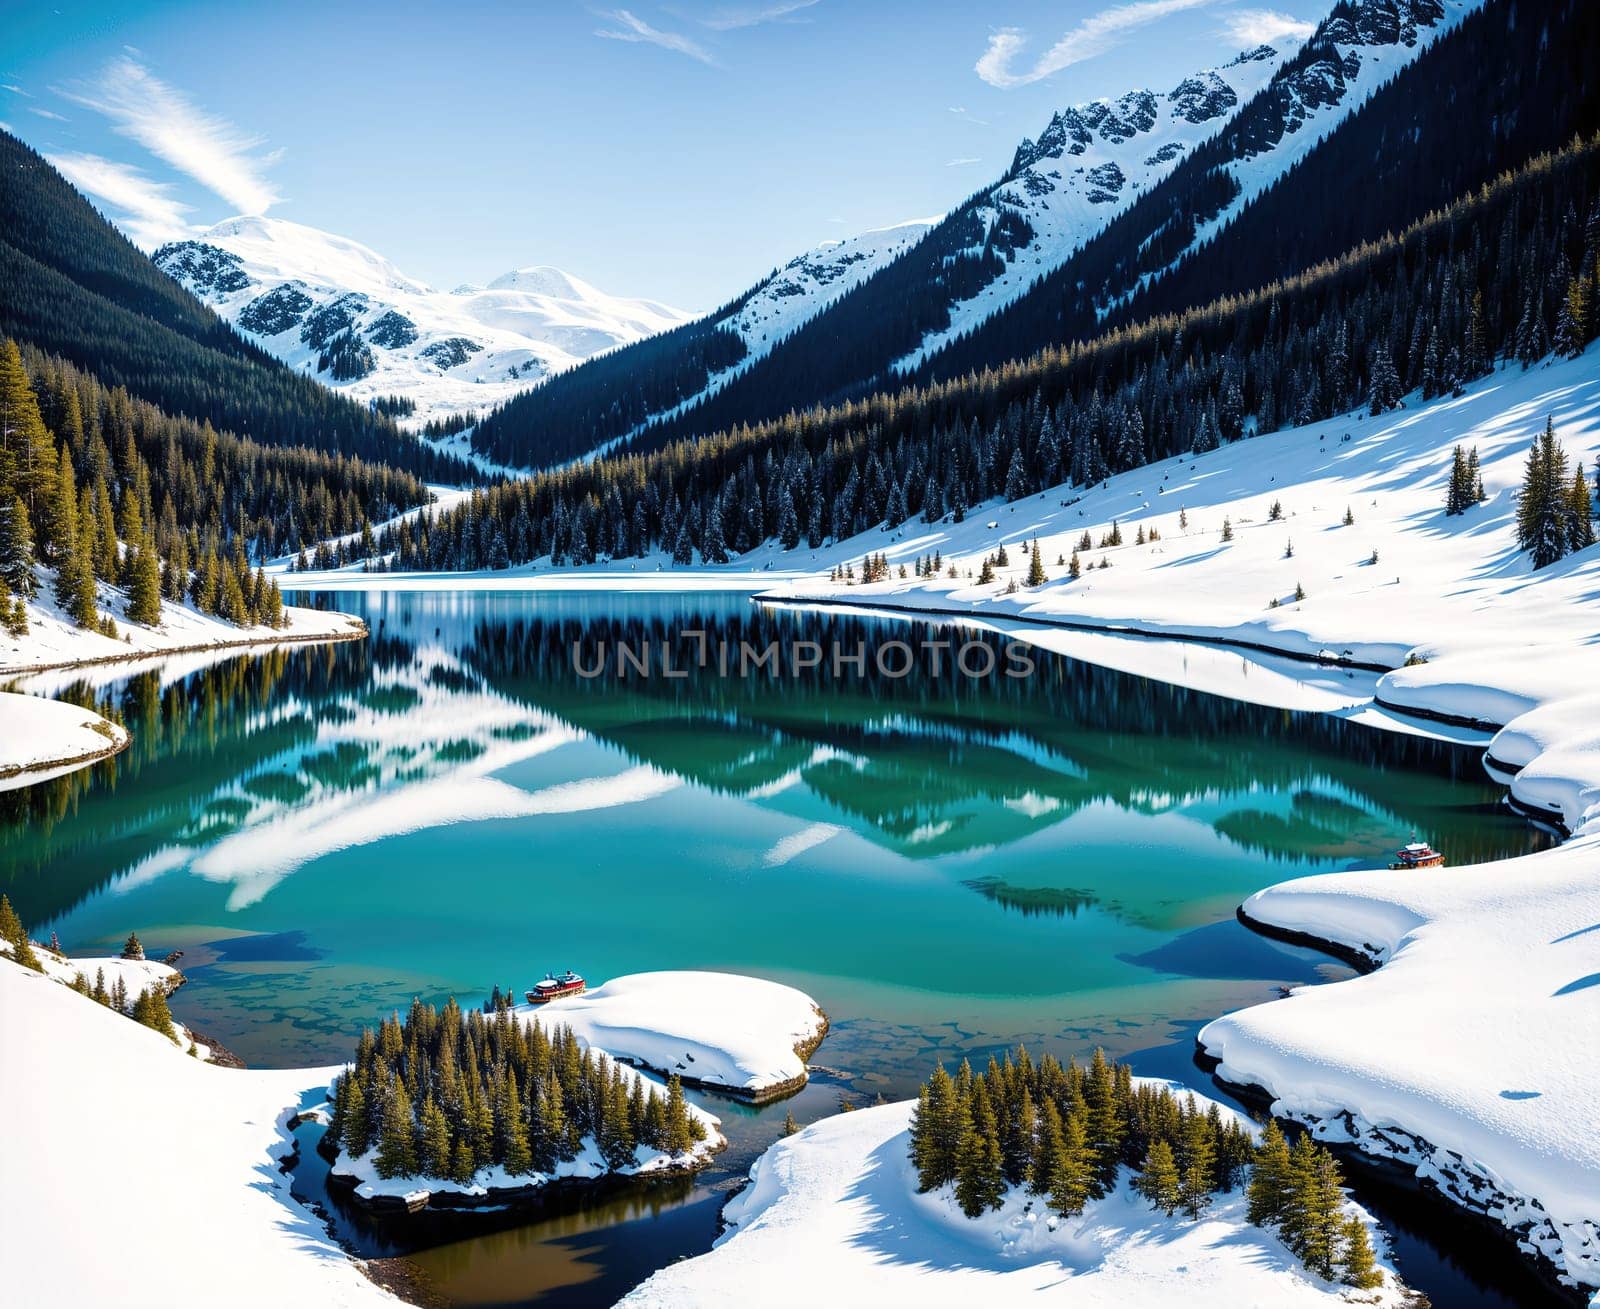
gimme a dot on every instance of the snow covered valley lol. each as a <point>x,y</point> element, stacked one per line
<point>970,860</point>
<point>1329,547</point>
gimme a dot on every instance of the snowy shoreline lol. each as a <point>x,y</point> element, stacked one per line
<point>1460,1055</point>
<point>214,1132</point>
<point>832,1215</point>
<point>48,738</point>
<point>755,1051</point>
<point>316,627</point>
<point>118,1114</point>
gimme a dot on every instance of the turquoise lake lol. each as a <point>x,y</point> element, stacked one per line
<point>947,864</point>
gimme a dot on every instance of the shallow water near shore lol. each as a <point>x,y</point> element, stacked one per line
<point>948,864</point>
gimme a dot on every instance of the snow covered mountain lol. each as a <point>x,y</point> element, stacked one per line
<point>790,297</point>
<point>807,284</point>
<point>1088,164</point>
<point>335,309</point>
<point>947,296</point>
<point>1095,160</point>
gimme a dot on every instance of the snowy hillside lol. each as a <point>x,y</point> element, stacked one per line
<point>832,1216</point>
<point>1094,160</point>
<point>184,1156</point>
<point>793,295</point>
<point>335,309</point>
<point>805,285</point>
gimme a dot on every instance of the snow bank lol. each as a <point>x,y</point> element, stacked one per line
<point>180,1155</point>
<point>53,639</point>
<point>43,738</point>
<point>1471,1056</point>
<point>1452,590</point>
<point>720,1030</point>
<point>831,1216</point>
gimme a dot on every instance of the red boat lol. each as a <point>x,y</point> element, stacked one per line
<point>1417,854</point>
<point>553,987</point>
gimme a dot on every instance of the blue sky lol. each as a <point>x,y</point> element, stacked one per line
<point>675,150</point>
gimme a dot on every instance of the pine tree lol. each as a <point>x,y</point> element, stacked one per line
<point>22,952</point>
<point>397,1152</point>
<point>11,928</point>
<point>1385,381</point>
<point>151,1010</point>
<point>679,1137</point>
<point>352,1117</point>
<point>1199,1162</point>
<point>1311,1225</point>
<point>16,545</point>
<point>1267,1195</point>
<point>713,549</point>
<point>75,589</point>
<point>144,587</point>
<point>1572,320</point>
<point>1458,493</point>
<point>1227,529</point>
<point>1074,567</point>
<point>1018,1129</point>
<point>1158,1182</point>
<point>463,1168</point>
<point>615,1136</point>
<point>980,1184</point>
<point>27,452</point>
<point>1544,505</point>
<point>132,948</point>
<point>790,1127</point>
<point>434,1157</point>
<point>13,617</point>
<point>1580,511</point>
<point>516,1152</point>
<point>937,1131</point>
<point>1072,1179</point>
<point>1049,1145</point>
<point>986,573</point>
<point>1036,575</point>
<point>1105,1123</point>
<point>1358,1266</point>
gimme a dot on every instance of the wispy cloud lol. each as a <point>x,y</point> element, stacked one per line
<point>1093,36</point>
<point>145,209</point>
<point>169,125</point>
<point>725,20</point>
<point>14,89</point>
<point>629,26</point>
<point>962,162</point>
<point>961,111</point>
<point>51,114</point>
<point>1252,27</point>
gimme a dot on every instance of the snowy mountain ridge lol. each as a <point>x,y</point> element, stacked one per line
<point>1094,160</point>
<point>791,296</point>
<point>331,307</point>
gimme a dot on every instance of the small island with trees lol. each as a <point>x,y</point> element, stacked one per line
<point>486,1106</point>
